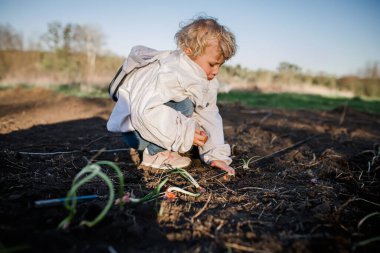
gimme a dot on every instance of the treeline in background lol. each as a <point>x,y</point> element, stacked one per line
<point>73,55</point>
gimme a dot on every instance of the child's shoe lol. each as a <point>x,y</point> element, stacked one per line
<point>165,160</point>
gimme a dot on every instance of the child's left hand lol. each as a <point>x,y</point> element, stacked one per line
<point>223,166</point>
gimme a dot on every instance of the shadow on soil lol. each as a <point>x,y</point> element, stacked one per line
<point>63,149</point>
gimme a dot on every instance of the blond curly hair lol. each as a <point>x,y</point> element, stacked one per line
<point>200,32</point>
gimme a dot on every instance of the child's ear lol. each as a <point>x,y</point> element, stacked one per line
<point>188,51</point>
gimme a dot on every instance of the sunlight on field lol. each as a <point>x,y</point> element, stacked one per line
<point>248,98</point>
<point>298,101</point>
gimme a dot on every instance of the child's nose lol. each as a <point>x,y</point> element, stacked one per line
<point>215,70</point>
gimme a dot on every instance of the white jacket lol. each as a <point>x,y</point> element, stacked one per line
<point>156,77</point>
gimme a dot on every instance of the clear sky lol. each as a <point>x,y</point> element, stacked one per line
<point>334,36</point>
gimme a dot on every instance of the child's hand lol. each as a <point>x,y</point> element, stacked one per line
<point>200,138</point>
<point>223,166</point>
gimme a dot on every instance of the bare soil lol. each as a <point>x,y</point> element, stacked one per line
<point>310,197</point>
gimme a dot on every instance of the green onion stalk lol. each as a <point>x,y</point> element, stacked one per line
<point>84,176</point>
<point>94,170</point>
<point>156,192</point>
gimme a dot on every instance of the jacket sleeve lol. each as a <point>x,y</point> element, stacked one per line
<point>159,123</point>
<point>209,119</point>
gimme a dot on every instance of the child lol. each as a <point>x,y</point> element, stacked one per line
<point>166,100</point>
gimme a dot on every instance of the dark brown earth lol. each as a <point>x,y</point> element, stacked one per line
<point>308,198</point>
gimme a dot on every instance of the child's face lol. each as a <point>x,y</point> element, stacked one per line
<point>211,60</point>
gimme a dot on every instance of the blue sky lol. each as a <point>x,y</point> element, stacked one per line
<point>333,36</point>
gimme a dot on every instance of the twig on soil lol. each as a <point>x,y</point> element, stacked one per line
<point>219,227</point>
<point>111,249</point>
<point>265,118</point>
<point>367,217</point>
<point>97,139</point>
<point>343,114</point>
<point>283,150</point>
<point>365,242</point>
<point>96,155</point>
<point>18,166</point>
<point>256,188</point>
<point>228,189</point>
<point>355,199</point>
<point>261,213</point>
<point>307,236</point>
<point>220,174</point>
<point>202,209</point>
<point>279,205</point>
<point>240,247</point>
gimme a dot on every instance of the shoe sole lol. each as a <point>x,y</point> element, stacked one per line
<point>164,166</point>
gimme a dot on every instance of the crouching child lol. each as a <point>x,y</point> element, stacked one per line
<point>166,100</point>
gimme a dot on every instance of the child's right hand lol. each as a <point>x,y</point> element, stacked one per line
<point>223,166</point>
<point>200,138</point>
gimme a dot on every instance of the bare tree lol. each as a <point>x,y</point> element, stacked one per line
<point>59,37</point>
<point>372,70</point>
<point>73,38</point>
<point>53,38</point>
<point>68,37</point>
<point>89,40</point>
<point>9,38</point>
